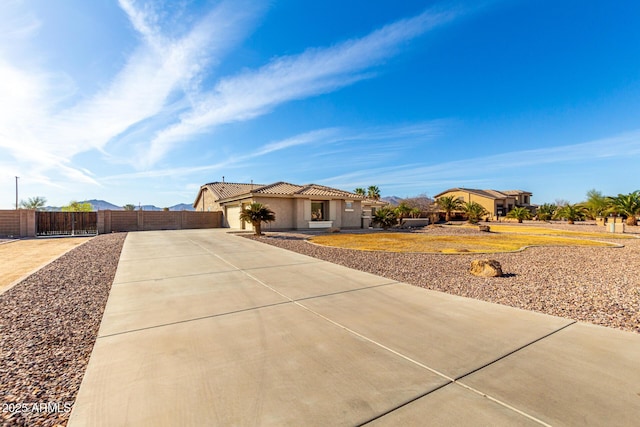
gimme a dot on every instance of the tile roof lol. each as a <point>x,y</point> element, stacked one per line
<point>491,194</point>
<point>226,190</point>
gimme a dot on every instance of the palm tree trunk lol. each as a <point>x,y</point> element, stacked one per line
<point>257,226</point>
<point>631,220</point>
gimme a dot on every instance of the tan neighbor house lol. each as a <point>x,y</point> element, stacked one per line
<point>497,203</point>
<point>296,206</point>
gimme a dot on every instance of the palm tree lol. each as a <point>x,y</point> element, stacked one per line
<point>403,210</point>
<point>474,211</point>
<point>627,205</point>
<point>570,212</point>
<point>519,213</point>
<point>373,192</point>
<point>449,204</point>
<point>546,211</point>
<point>385,217</point>
<point>256,214</point>
<point>36,203</point>
<point>360,191</point>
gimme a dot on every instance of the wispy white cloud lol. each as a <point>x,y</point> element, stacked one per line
<point>315,71</point>
<point>157,76</point>
<point>332,141</point>
<point>483,168</point>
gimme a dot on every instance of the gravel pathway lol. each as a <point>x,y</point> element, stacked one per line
<point>48,326</point>
<point>596,285</point>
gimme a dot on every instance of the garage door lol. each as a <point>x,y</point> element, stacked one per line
<point>233,216</point>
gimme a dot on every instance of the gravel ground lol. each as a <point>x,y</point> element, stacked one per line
<point>48,326</point>
<point>595,285</point>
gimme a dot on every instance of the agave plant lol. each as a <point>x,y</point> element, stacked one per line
<point>519,213</point>
<point>256,214</point>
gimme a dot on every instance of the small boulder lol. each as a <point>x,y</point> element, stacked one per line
<point>333,230</point>
<point>486,268</point>
<point>484,228</point>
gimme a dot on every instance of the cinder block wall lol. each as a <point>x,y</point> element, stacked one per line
<point>18,223</point>
<point>114,221</point>
<point>10,223</point>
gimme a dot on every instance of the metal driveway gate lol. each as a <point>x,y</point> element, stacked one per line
<point>66,223</point>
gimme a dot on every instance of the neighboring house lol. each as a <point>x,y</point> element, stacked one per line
<point>497,203</point>
<point>296,206</point>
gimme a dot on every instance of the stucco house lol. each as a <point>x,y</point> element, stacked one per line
<point>497,203</point>
<point>296,207</point>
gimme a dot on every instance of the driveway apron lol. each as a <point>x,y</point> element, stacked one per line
<point>203,327</point>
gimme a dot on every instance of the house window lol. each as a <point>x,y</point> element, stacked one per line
<point>348,206</point>
<point>318,211</point>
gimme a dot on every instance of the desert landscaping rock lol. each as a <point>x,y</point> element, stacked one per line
<point>595,285</point>
<point>486,268</point>
<point>48,326</point>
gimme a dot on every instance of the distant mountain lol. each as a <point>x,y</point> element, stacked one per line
<point>148,208</point>
<point>102,205</point>
<point>393,200</point>
<point>182,207</point>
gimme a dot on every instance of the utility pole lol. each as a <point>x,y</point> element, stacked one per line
<point>17,192</point>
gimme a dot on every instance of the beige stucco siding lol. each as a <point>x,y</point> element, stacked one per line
<point>207,203</point>
<point>284,208</point>
<point>487,203</point>
<point>351,218</point>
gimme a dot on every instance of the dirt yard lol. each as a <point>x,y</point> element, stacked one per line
<point>19,258</point>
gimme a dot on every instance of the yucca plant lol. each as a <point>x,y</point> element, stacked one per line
<point>256,214</point>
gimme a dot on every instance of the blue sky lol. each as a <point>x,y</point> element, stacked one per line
<point>143,101</point>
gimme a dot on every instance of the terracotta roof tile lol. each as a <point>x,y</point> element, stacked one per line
<point>224,190</point>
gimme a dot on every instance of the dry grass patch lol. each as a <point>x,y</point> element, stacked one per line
<point>554,232</point>
<point>20,258</point>
<point>410,242</point>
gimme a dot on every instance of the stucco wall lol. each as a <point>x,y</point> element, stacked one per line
<point>207,202</point>
<point>285,210</point>
<point>488,204</point>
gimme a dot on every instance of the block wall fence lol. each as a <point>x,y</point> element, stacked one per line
<point>22,222</point>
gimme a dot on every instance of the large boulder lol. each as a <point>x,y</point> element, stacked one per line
<point>486,268</point>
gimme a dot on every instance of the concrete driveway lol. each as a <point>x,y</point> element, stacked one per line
<point>208,328</point>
